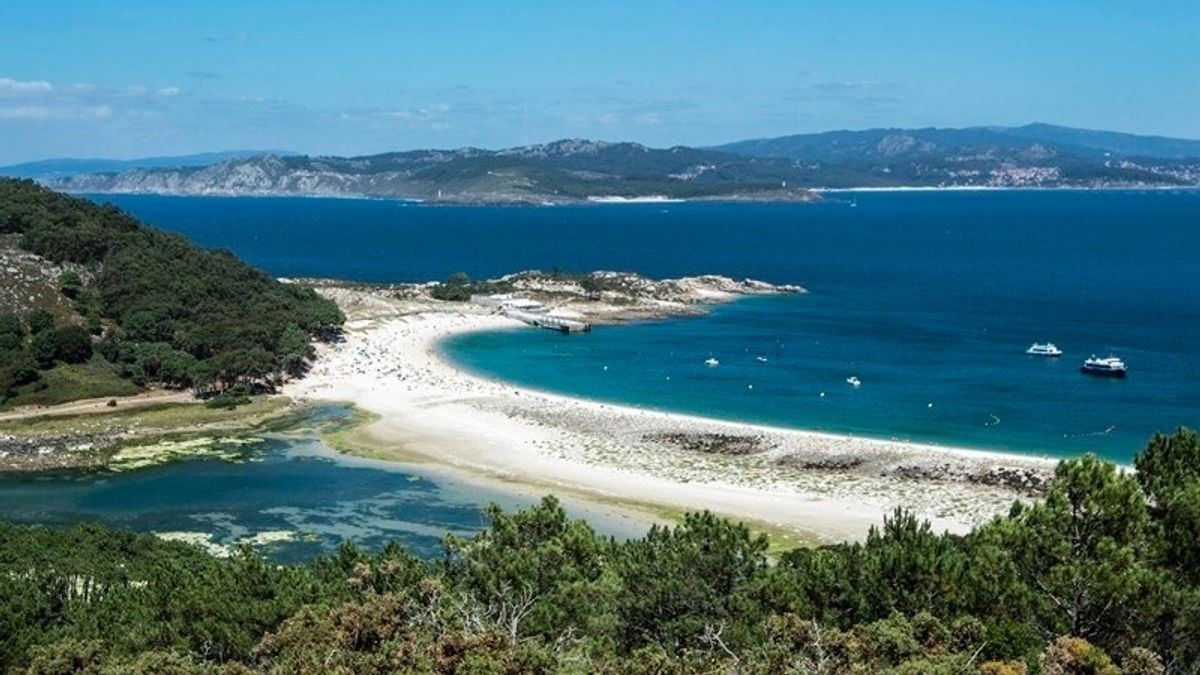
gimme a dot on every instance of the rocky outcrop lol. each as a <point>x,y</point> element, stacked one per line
<point>1024,481</point>
<point>626,286</point>
<point>29,282</point>
<point>710,443</point>
<point>44,453</point>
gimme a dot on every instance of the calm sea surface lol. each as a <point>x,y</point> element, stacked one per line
<point>929,298</point>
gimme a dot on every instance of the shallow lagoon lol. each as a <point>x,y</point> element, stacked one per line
<point>291,496</point>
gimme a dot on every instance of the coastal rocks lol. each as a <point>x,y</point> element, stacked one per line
<point>704,288</point>
<point>920,472</point>
<point>710,443</point>
<point>626,287</point>
<point>45,453</point>
<point>1022,480</point>
<point>841,462</point>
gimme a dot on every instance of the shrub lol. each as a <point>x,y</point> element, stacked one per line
<point>44,347</point>
<point>39,320</point>
<point>72,344</point>
<point>238,394</point>
<point>1003,668</point>
<point>1075,656</point>
<point>70,284</point>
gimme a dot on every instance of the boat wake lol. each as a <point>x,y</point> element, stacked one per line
<point>992,422</point>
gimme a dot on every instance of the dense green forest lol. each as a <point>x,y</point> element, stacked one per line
<point>1101,578</point>
<point>148,307</point>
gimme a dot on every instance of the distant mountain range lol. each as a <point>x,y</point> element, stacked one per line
<point>562,171</point>
<point>1031,141</point>
<point>785,168</point>
<point>55,168</point>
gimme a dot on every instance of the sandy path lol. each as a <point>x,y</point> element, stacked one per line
<point>99,405</point>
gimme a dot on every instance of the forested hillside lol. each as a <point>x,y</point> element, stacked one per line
<point>1101,578</point>
<point>138,306</point>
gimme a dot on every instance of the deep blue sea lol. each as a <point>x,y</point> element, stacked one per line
<point>929,298</point>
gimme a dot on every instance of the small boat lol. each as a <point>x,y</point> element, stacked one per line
<point>711,362</point>
<point>1109,366</point>
<point>1047,349</point>
<point>853,381</point>
<point>762,359</point>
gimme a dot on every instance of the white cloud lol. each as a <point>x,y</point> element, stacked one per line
<point>9,85</point>
<point>430,112</point>
<point>38,100</point>
<point>46,112</point>
<point>437,116</point>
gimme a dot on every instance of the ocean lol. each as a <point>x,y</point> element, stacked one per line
<point>929,298</point>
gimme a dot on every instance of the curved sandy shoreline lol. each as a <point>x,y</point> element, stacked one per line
<point>819,486</point>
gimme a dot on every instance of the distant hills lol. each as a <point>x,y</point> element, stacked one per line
<point>1029,142</point>
<point>562,171</point>
<point>772,169</point>
<point>1117,143</point>
<point>55,168</point>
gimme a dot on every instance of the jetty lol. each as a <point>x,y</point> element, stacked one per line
<point>549,321</point>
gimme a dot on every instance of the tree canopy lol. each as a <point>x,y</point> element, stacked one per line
<point>158,299</point>
<point>1091,580</point>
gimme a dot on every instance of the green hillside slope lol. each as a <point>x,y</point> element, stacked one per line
<point>96,293</point>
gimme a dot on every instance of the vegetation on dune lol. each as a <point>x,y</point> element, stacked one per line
<point>1099,578</point>
<point>155,307</point>
<point>459,287</point>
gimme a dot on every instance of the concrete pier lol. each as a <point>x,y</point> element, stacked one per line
<point>549,322</point>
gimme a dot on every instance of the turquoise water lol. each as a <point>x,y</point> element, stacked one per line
<point>969,387</point>
<point>292,484</point>
<point>927,297</point>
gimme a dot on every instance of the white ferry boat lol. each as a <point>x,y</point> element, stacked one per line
<point>1110,366</point>
<point>1048,349</point>
<point>853,381</point>
<point>711,362</point>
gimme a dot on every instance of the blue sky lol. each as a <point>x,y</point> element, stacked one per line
<point>132,78</point>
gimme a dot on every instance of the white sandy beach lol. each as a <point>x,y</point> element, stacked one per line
<point>821,487</point>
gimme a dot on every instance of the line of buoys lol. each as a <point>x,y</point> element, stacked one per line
<point>1092,434</point>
